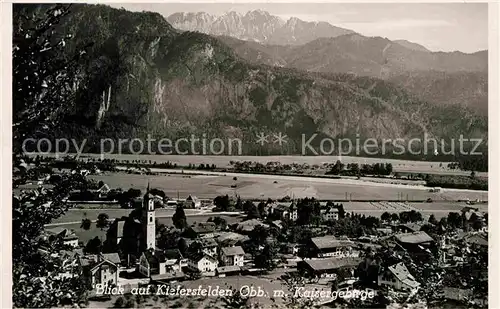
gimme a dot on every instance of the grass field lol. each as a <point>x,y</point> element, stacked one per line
<point>275,187</point>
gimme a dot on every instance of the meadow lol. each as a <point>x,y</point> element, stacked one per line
<point>249,186</point>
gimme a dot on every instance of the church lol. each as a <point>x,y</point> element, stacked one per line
<point>139,230</point>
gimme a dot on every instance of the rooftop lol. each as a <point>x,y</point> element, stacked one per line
<point>172,254</point>
<point>229,251</point>
<point>112,257</point>
<point>249,225</point>
<point>207,242</point>
<point>403,274</point>
<point>456,293</point>
<point>414,238</point>
<point>155,257</point>
<point>203,228</point>
<point>414,227</point>
<point>196,257</point>
<point>327,242</point>
<point>227,269</point>
<point>477,239</point>
<point>332,263</point>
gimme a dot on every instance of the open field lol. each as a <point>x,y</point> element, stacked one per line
<point>275,187</point>
<point>424,167</point>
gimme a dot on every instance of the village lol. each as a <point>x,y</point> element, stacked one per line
<point>299,248</point>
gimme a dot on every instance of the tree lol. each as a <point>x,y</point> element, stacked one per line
<point>337,168</point>
<point>86,223</point>
<point>432,220</point>
<point>168,239</point>
<point>222,202</point>
<point>44,73</point>
<point>262,209</point>
<point>388,168</point>
<point>179,218</point>
<point>119,303</point>
<point>102,221</point>
<point>253,212</point>
<point>236,300</point>
<point>454,220</point>
<point>265,259</point>
<point>385,216</point>
<point>395,217</point>
<point>43,90</point>
<point>239,204</point>
<point>220,222</point>
<point>247,206</point>
<point>259,235</point>
<point>93,246</point>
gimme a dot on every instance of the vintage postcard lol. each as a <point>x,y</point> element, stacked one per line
<point>250,155</point>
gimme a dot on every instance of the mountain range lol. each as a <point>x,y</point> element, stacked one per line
<point>443,78</point>
<point>259,37</point>
<point>145,77</point>
<point>258,26</point>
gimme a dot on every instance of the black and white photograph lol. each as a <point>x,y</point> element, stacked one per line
<point>250,155</point>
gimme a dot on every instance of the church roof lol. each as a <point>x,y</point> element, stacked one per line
<point>154,257</point>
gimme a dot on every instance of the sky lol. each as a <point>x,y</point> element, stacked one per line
<point>439,27</point>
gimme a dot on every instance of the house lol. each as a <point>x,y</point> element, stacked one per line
<point>224,271</point>
<point>329,214</point>
<point>327,267</point>
<point>69,237</point>
<point>407,228</point>
<point>232,256</point>
<point>418,243</point>
<point>207,245</point>
<point>229,239</point>
<point>416,238</point>
<point>384,231</point>
<point>203,263</point>
<point>245,227</point>
<point>202,230</point>
<point>193,202</point>
<point>103,191</point>
<point>477,240</point>
<point>173,275</point>
<point>152,263</point>
<point>457,295</point>
<point>112,257</point>
<point>330,246</point>
<point>398,277</point>
<point>101,269</point>
<point>283,210</point>
<point>173,260</point>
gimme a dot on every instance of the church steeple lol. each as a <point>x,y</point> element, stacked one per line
<point>148,221</point>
